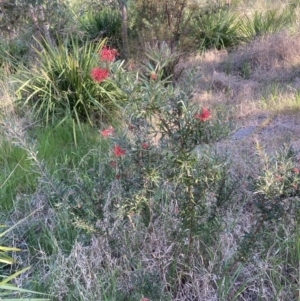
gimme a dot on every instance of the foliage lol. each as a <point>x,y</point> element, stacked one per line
<point>160,56</point>
<point>6,288</point>
<point>17,176</point>
<point>216,28</point>
<point>160,166</point>
<point>262,23</point>
<point>157,21</point>
<point>60,86</point>
<point>149,211</point>
<point>12,53</point>
<point>17,14</point>
<point>277,195</point>
<point>164,129</point>
<point>102,23</point>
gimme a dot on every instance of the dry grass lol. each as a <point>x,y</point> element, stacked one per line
<point>6,98</point>
<point>249,7</point>
<point>270,58</point>
<point>243,81</point>
<point>136,263</point>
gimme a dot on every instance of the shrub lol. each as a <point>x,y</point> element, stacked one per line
<point>164,128</point>
<point>160,56</point>
<point>65,83</point>
<point>105,23</point>
<point>263,23</point>
<point>158,170</point>
<point>161,21</point>
<point>216,28</point>
<point>12,53</point>
<point>277,190</point>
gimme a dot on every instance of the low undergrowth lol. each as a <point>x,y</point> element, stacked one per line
<point>127,188</point>
<point>152,210</point>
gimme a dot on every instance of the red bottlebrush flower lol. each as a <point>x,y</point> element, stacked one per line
<point>118,151</point>
<point>145,145</point>
<point>107,54</point>
<point>107,132</point>
<point>98,74</point>
<point>296,170</point>
<point>153,75</point>
<point>204,115</point>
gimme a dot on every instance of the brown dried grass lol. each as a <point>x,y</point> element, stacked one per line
<point>273,57</point>
<point>240,80</point>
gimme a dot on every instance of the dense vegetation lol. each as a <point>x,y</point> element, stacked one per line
<point>121,176</point>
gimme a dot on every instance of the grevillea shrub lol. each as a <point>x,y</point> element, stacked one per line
<point>163,153</point>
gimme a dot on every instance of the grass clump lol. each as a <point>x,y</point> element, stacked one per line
<point>269,22</point>
<point>21,177</point>
<point>61,85</point>
<point>105,23</point>
<point>7,289</point>
<point>216,28</point>
<point>17,177</point>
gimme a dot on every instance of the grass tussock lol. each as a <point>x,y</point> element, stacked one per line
<point>256,79</point>
<point>271,58</point>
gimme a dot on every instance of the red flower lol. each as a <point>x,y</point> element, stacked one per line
<point>107,54</point>
<point>204,115</point>
<point>118,177</point>
<point>145,145</point>
<point>296,170</point>
<point>98,74</point>
<point>118,151</point>
<point>107,132</point>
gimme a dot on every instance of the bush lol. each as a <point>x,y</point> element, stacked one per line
<point>268,22</point>
<point>277,189</point>
<point>105,23</point>
<point>62,84</point>
<point>216,28</point>
<point>162,21</point>
<point>160,146</point>
<point>161,57</point>
<point>12,53</point>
